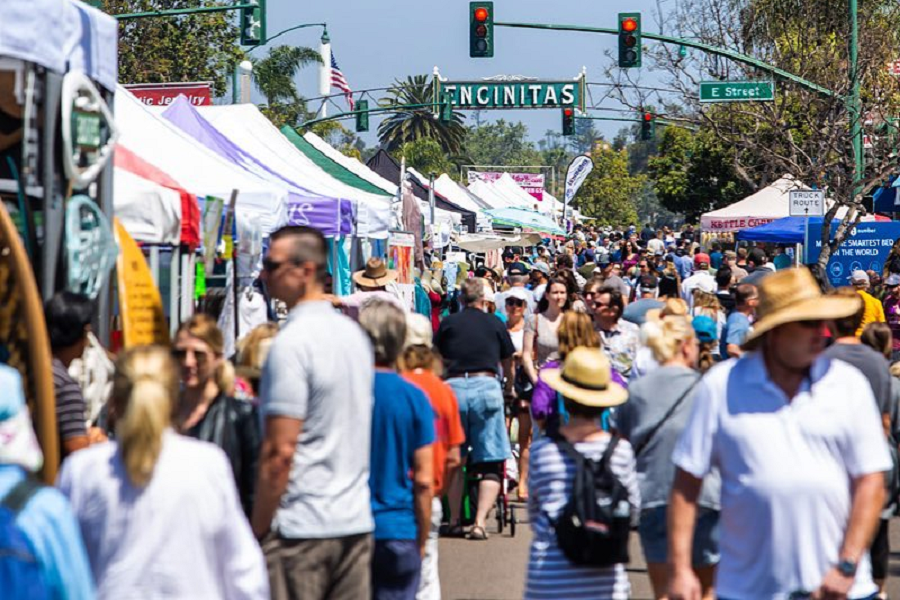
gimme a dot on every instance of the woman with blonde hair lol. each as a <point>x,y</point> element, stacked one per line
<point>707,305</point>
<point>575,329</point>
<point>159,512</point>
<point>208,410</point>
<point>652,420</point>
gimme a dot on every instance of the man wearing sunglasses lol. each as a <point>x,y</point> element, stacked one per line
<point>312,508</point>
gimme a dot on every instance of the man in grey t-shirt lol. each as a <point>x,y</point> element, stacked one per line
<point>312,500</point>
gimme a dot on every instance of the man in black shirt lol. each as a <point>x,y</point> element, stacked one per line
<point>474,345</point>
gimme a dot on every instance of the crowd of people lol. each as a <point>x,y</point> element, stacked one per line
<point>738,416</point>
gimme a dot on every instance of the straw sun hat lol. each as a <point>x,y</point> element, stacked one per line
<point>376,274</point>
<point>585,378</point>
<point>793,295</point>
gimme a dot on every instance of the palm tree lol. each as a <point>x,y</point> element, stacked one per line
<point>417,123</point>
<point>274,77</point>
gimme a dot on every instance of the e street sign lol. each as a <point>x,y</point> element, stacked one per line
<point>737,91</point>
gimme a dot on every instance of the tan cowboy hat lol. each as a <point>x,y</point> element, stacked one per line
<point>586,378</point>
<point>793,295</point>
<point>376,274</point>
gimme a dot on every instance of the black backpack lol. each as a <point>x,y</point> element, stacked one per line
<point>594,526</point>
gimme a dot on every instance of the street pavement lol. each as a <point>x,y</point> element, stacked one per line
<point>495,569</point>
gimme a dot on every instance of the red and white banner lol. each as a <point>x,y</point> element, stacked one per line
<point>730,224</point>
<point>530,182</point>
<point>164,94</point>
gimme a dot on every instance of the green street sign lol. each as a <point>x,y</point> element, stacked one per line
<point>737,91</point>
<point>489,95</point>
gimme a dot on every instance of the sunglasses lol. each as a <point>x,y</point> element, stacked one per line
<point>180,354</point>
<point>270,266</point>
<point>515,302</point>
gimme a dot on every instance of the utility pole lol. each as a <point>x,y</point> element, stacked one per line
<point>324,72</point>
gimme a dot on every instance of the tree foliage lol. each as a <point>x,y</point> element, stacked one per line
<point>500,143</point>
<point>200,47</point>
<point>692,173</point>
<point>608,194</point>
<point>408,125</point>
<point>275,78</point>
<point>804,132</point>
<point>425,156</point>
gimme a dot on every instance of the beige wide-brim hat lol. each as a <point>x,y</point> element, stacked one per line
<point>586,378</point>
<point>792,295</point>
<point>376,274</point>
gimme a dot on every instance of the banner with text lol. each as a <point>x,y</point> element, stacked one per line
<point>866,248</point>
<point>489,95</point>
<point>530,182</point>
<point>164,94</point>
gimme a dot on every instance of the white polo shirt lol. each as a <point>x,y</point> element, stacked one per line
<point>786,470</point>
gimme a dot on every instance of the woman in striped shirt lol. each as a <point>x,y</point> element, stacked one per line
<point>587,388</point>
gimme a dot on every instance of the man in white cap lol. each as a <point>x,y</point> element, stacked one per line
<point>540,274</point>
<point>874,312</point>
<point>798,441</point>
<point>41,541</point>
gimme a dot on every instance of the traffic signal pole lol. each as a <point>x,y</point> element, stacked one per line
<point>851,100</point>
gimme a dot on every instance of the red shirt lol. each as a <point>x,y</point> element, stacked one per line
<point>447,424</point>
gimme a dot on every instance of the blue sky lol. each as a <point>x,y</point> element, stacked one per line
<point>374,42</point>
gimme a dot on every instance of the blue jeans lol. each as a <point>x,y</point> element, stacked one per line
<point>481,412</point>
<point>396,567</point>
<point>653,530</point>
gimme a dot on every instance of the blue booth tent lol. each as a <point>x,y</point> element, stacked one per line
<point>787,230</point>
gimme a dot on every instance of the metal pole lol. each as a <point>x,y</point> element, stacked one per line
<point>324,72</point>
<point>431,198</point>
<point>853,104</point>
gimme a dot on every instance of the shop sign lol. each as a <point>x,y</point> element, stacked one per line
<point>163,94</point>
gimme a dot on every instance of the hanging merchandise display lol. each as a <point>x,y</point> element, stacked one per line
<point>88,130</point>
<point>90,247</point>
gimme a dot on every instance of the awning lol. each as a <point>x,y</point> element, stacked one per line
<point>526,219</point>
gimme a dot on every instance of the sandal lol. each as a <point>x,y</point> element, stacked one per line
<point>454,531</point>
<point>477,533</point>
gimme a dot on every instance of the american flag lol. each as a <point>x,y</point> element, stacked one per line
<point>340,82</point>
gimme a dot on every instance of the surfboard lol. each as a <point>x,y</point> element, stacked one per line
<point>24,343</point>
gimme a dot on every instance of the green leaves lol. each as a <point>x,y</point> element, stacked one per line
<point>409,125</point>
<point>609,193</point>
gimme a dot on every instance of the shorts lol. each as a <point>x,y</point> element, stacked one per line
<point>654,536</point>
<point>481,412</point>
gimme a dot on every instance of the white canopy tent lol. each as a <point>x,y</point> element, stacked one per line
<point>440,215</point>
<point>151,213</point>
<point>507,186</point>
<point>460,196</point>
<point>199,170</point>
<point>766,205</point>
<point>253,132</point>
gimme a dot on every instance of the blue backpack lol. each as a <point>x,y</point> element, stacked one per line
<point>20,569</point>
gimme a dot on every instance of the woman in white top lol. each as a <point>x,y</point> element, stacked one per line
<point>159,512</point>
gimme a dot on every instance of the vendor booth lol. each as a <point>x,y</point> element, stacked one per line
<point>766,205</point>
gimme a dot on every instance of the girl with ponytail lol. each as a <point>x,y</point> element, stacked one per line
<point>208,410</point>
<point>159,512</point>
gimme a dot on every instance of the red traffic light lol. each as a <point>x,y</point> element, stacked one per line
<point>481,14</point>
<point>648,117</point>
<point>629,25</point>
<point>568,112</point>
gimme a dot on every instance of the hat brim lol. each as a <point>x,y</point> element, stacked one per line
<point>614,395</point>
<point>824,308</point>
<point>360,279</point>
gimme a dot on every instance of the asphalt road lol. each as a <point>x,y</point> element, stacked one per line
<point>495,569</point>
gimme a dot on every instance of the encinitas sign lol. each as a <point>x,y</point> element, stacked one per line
<point>488,95</point>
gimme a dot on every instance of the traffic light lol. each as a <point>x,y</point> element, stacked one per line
<point>629,40</point>
<point>253,23</point>
<point>446,110</point>
<point>568,120</point>
<point>647,126</point>
<point>362,116</point>
<point>481,29</point>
